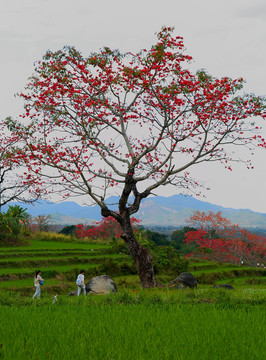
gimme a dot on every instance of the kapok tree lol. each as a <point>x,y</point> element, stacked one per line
<point>219,239</point>
<point>213,224</point>
<point>129,124</point>
<point>12,185</point>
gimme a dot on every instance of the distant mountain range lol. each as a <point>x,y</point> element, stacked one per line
<point>154,211</point>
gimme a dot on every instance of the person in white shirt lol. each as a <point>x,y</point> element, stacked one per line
<point>37,280</point>
<point>80,283</point>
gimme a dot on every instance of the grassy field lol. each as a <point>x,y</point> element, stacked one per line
<point>161,323</point>
<point>140,325</point>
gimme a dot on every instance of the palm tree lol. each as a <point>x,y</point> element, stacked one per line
<point>14,219</point>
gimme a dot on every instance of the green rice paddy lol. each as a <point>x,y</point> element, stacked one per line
<point>79,330</point>
<point>161,323</point>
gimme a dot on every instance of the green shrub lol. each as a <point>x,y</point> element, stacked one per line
<point>118,246</point>
<point>10,240</point>
<point>112,267</point>
<point>168,258</point>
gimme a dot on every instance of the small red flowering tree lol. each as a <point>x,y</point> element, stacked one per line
<point>132,122</point>
<point>39,223</point>
<point>218,239</point>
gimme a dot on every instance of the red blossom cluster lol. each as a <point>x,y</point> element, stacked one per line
<point>220,240</point>
<point>105,229</point>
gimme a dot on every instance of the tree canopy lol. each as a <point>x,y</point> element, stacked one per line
<point>111,118</point>
<point>129,123</point>
<point>12,185</point>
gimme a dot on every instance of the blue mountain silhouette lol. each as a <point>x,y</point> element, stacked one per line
<point>159,210</point>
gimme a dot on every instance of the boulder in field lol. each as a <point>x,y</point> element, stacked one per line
<point>101,285</point>
<point>184,280</point>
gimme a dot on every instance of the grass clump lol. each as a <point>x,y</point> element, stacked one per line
<point>59,237</point>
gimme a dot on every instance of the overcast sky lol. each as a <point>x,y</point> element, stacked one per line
<point>224,37</point>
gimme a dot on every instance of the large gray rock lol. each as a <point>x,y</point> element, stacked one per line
<point>101,285</point>
<point>184,280</point>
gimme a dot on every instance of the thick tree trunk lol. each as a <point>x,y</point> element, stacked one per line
<point>142,258</point>
<point>145,268</point>
<point>139,254</point>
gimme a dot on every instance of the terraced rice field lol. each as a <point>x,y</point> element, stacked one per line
<point>60,263</point>
<point>221,273</point>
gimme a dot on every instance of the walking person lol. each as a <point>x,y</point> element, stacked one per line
<point>80,283</point>
<point>37,284</point>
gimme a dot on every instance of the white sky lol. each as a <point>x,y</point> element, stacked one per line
<point>224,37</point>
